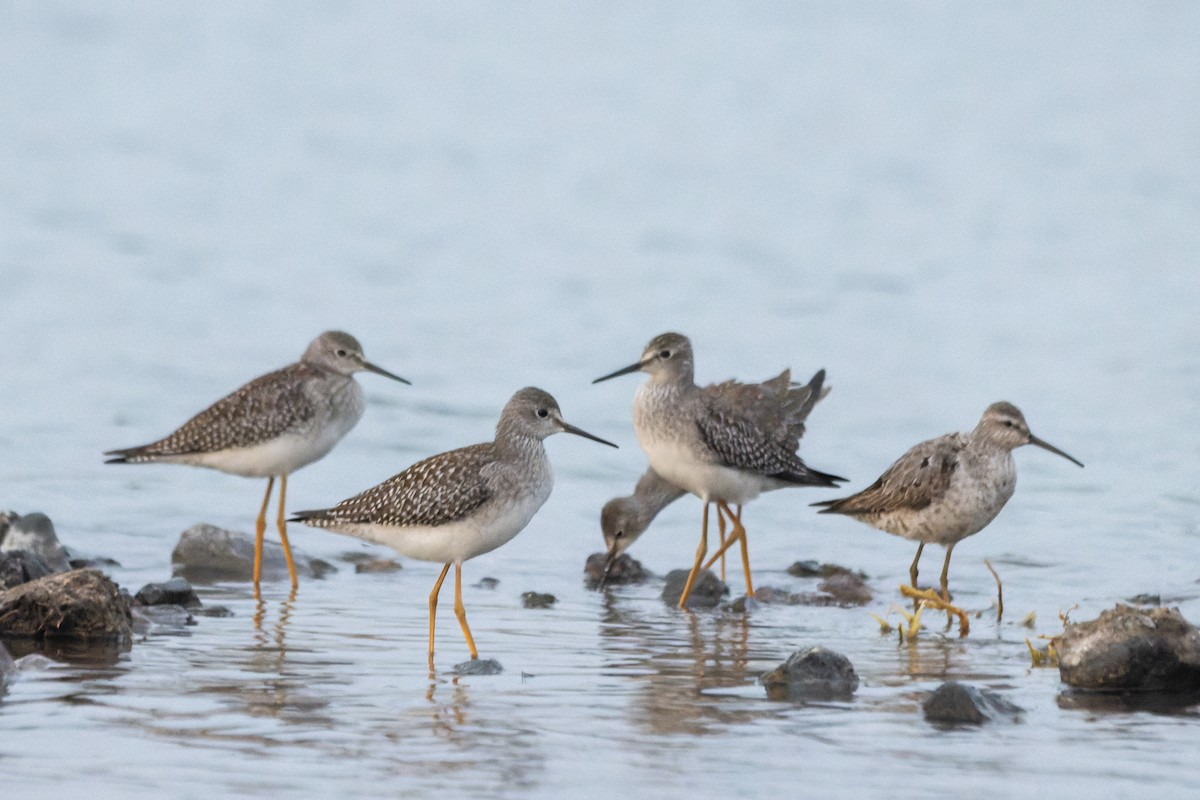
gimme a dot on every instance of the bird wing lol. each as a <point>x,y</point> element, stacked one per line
<point>918,478</point>
<point>435,491</point>
<point>777,407</point>
<point>263,409</point>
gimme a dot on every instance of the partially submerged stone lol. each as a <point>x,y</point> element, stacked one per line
<point>812,674</point>
<point>955,703</point>
<point>478,666</point>
<point>625,570</point>
<point>1131,649</point>
<point>377,566</point>
<point>538,599</point>
<point>34,533</point>
<point>208,554</point>
<point>814,569</point>
<point>160,619</point>
<point>707,592</point>
<point>81,604</point>
<point>175,592</point>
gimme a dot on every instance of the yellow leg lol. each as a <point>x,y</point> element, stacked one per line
<point>696,567</point>
<point>260,526</point>
<point>433,598</point>
<point>946,572</point>
<point>461,612</point>
<point>720,550</point>
<point>912,570</point>
<point>282,524</point>
<point>740,531</point>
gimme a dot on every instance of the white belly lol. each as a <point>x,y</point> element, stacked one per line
<point>491,526</point>
<point>707,481</point>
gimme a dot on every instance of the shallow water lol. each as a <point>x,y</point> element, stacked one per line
<point>942,205</point>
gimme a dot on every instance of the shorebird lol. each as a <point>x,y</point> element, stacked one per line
<point>460,504</point>
<point>724,443</point>
<point>948,488</point>
<point>773,404</point>
<point>272,426</point>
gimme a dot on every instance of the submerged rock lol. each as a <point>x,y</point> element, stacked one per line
<point>487,583</point>
<point>707,592</point>
<point>841,589</point>
<point>34,533</point>
<point>815,569</point>
<point>538,599</point>
<point>955,703</point>
<point>812,674</point>
<point>625,570</point>
<point>1128,648</point>
<point>378,566</point>
<point>479,666</point>
<point>81,604</point>
<point>159,619</point>
<point>207,554</point>
<point>175,592</point>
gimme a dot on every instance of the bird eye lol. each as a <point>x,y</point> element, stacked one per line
<point>664,354</point>
<point>1009,423</point>
<point>341,354</point>
<point>543,413</point>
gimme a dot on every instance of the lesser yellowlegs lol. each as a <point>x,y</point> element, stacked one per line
<point>460,504</point>
<point>948,488</point>
<point>777,404</point>
<point>272,426</point>
<point>725,443</point>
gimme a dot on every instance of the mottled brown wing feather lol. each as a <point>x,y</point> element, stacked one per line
<point>917,479</point>
<point>438,490</point>
<point>263,409</point>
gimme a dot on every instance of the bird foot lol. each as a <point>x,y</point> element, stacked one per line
<point>931,599</point>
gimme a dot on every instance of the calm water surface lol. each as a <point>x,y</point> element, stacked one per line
<point>942,205</point>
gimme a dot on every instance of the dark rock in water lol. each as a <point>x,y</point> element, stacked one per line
<point>846,588</point>
<point>19,566</point>
<point>538,600</point>
<point>378,565</point>
<point>814,569</point>
<point>81,604</point>
<point>159,619</point>
<point>207,554</point>
<point>175,592</point>
<point>1146,600</point>
<point>1128,648</point>
<point>94,562</point>
<point>487,583</point>
<point>743,605</point>
<point>955,703</point>
<point>812,674</point>
<point>34,533</point>
<point>479,666</point>
<point>625,570</point>
<point>707,592</point>
<point>211,611</point>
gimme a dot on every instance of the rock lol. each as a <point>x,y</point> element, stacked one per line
<point>955,703</point>
<point>81,604</point>
<point>8,668</point>
<point>20,566</point>
<point>34,533</point>
<point>1128,648</point>
<point>813,569</point>
<point>538,600</point>
<point>846,588</point>
<point>625,570</point>
<point>487,583</point>
<point>175,592</point>
<point>208,554</point>
<point>1146,600</point>
<point>479,666</point>
<point>706,593</point>
<point>378,565</point>
<point>6,518</point>
<point>812,674</point>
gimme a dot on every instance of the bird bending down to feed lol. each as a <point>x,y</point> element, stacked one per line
<point>725,443</point>
<point>460,504</point>
<point>948,488</point>
<point>272,426</point>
